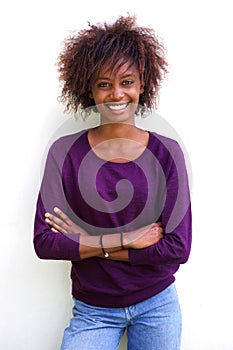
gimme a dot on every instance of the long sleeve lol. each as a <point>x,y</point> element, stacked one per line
<point>159,184</point>
<point>49,244</point>
<point>176,219</point>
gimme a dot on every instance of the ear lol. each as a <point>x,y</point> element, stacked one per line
<point>90,94</point>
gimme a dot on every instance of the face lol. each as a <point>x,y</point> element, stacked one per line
<point>116,94</point>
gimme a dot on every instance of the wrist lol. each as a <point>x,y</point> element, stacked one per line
<point>122,240</point>
<point>105,253</point>
<point>127,240</point>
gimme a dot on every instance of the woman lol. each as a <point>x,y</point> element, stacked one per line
<point>114,199</point>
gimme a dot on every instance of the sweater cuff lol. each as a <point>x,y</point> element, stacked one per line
<point>140,256</point>
<point>71,246</point>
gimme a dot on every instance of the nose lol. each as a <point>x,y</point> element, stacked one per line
<point>117,93</point>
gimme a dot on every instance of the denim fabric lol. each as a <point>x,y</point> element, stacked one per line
<point>154,324</point>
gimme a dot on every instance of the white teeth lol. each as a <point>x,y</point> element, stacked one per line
<point>117,107</point>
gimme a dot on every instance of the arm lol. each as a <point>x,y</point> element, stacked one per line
<point>52,245</point>
<point>89,246</point>
<point>74,243</point>
<point>176,219</point>
<point>47,243</point>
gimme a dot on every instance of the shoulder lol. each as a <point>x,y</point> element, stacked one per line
<point>68,140</point>
<point>168,151</point>
<point>165,143</point>
<point>61,147</point>
<point>65,142</point>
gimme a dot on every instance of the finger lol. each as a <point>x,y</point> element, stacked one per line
<point>56,223</point>
<point>160,230</point>
<point>158,223</point>
<point>54,219</point>
<point>157,231</point>
<point>56,228</point>
<point>62,215</point>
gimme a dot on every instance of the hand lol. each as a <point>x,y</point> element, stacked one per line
<point>144,237</point>
<point>62,223</point>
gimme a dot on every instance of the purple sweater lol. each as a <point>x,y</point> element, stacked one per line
<point>108,197</point>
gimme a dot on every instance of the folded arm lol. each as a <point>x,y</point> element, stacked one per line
<point>89,246</point>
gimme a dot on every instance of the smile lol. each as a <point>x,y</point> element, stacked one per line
<point>117,107</point>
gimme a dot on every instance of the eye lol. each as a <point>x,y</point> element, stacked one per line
<point>127,82</point>
<point>103,84</point>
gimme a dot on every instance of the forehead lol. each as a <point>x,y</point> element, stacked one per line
<point>120,68</point>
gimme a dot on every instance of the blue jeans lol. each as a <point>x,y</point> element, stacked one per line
<point>154,324</point>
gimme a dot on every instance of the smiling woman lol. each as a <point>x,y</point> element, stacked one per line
<point>114,199</point>
<point>105,48</point>
<point>117,94</point>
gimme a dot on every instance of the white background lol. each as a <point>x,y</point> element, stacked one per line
<point>196,100</point>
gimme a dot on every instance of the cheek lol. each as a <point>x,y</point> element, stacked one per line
<point>98,96</point>
<point>138,92</point>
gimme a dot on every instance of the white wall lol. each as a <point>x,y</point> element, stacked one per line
<point>196,100</point>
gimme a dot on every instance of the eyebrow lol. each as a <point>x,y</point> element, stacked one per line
<point>122,77</point>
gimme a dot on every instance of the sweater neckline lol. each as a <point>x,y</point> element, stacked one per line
<point>118,164</point>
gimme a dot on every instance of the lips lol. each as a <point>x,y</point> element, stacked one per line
<point>117,107</point>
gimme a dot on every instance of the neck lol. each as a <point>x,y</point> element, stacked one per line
<point>118,130</point>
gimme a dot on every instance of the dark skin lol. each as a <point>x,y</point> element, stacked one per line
<point>116,139</point>
<point>89,245</point>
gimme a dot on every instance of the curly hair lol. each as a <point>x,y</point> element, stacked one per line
<point>85,53</point>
